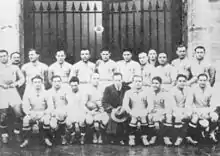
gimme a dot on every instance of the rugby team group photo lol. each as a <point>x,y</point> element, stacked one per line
<point>149,102</point>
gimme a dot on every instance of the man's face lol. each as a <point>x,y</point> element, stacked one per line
<point>4,57</point>
<point>156,85</point>
<point>181,82</point>
<point>74,86</point>
<point>37,83</point>
<point>57,83</point>
<point>181,52</point>
<point>162,58</point>
<point>143,59</point>
<point>137,81</point>
<point>16,58</point>
<point>152,55</point>
<point>85,55</point>
<point>117,80</point>
<point>127,56</point>
<point>202,81</point>
<point>33,56</point>
<point>60,56</point>
<point>105,55</point>
<point>199,53</point>
<point>95,79</point>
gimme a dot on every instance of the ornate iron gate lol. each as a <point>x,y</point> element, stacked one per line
<point>51,25</point>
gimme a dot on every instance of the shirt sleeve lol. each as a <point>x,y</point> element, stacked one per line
<point>125,102</point>
<point>50,74</point>
<point>26,105</point>
<point>73,71</point>
<point>20,76</point>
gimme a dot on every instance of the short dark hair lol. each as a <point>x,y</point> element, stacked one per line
<point>3,51</point>
<point>128,49</point>
<point>56,76</point>
<point>142,52</point>
<point>117,74</point>
<point>105,49</point>
<point>74,79</point>
<point>180,46</point>
<point>85,49</point>
<point>36,77</point>
<point>60,51</point>
<point>15,53</point>
<point>200,47</point>
<point>203,74</point>
<point>36,51</point>
<point>163,53</point>
<point>157,78</point>
<point>181,75</point>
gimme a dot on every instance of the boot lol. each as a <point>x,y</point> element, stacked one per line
<point>82,139</point>
<point>178,141</point>
<point>153,140</point>
<point>72,138</point>
<point>167,141</point>
<point>100,141</point>
<point>5,138</point>
<point>63,140</point>
<point>95,140</point>
<point>131,141</point>
<point>25,143</point>
<point>48,142</point>
<point>17,135</point>
<point>191,141</point>
<point>144,140</point>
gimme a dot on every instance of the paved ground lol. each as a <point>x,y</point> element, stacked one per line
<point>110,150</point>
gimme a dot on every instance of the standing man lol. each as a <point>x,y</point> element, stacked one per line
<point>152,57</point>
<point>33,68</point>
<point>61,68</point>
<point>199,65</point>
<point>146,69</point>
<point>128,67</point>
<point>166,72</point>
<point>16,59</point>
<point>95,115</point>
<point>83,69</point>
<point>10,78</point>
<point>37,113</point>
<point>112,99</point>
<point>106,67</point>
<point>182,63</point>
<point>137,105</point>
<point>76,114</point>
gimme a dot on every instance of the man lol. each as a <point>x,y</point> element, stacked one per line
<point>76,115</point>
<point>16,59</point>
<point>10,78</point>
<point>161,112</point>
<point>146,69</point>
<point>165,71</point>
<point>37,113</point>
<point>137,105</point>
<point>152,57</point>
<point>128,67</point>
<point>33,68</point>
<point>106,68</point>
<point>59,98</point>
<point>199,65</point>
<point>112,99</point>
<point>202,104</point>
<point>83,69</point>
<point>179,93</point>
<point>182,63</point>
<point>61,68</point>
<point>95,115</point>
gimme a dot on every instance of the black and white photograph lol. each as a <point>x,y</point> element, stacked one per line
<point>109,77</point>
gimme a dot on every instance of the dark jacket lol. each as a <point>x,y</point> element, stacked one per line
<point>113,98</point>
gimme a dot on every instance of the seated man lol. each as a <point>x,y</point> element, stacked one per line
<point>95,115</point>
<point>37,112</point>
<point>180,111</point>
<point>137,105</point>
<point>59,98</point>
<point>75,121</point>
<point>203,106</point>
<point>161,112</point>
